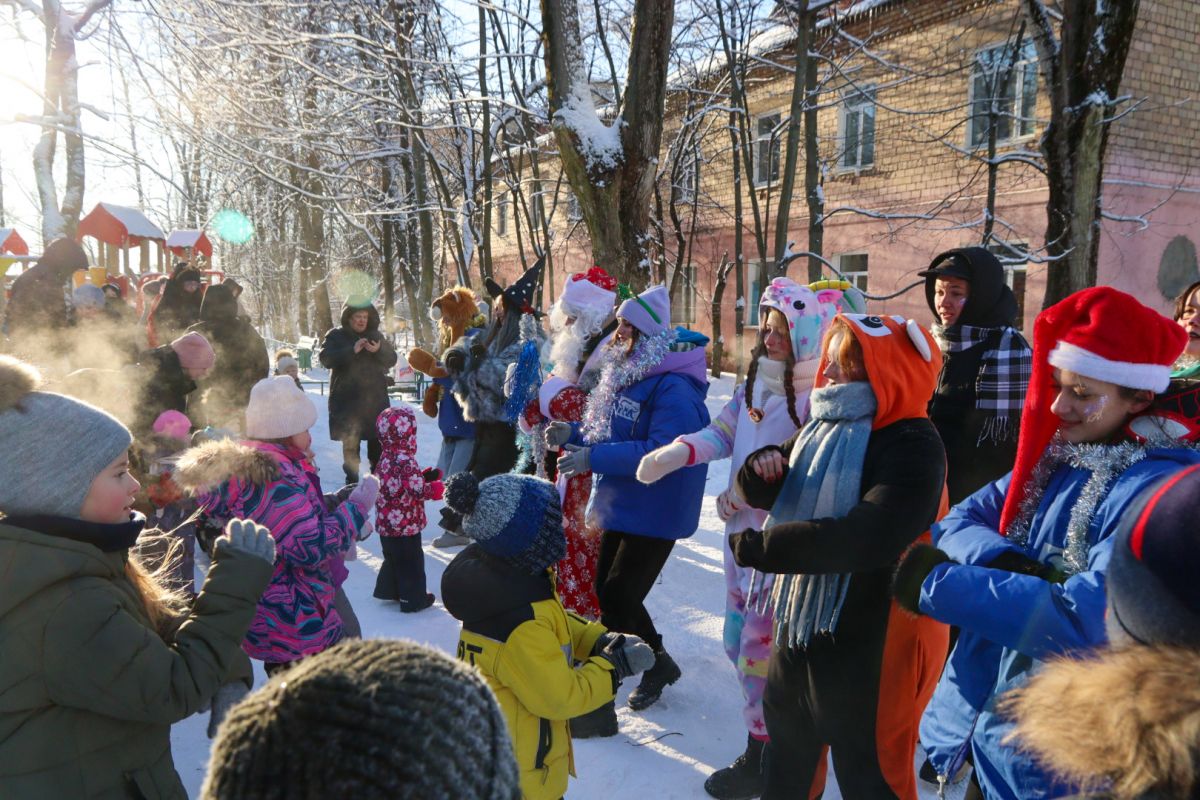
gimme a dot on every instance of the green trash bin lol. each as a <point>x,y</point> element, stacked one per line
<point>304,356</point>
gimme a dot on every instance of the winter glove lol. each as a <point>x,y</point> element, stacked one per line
<point>437,490</point>
<point>662,462</point>
<point>912,572</point>
<point>728,504</point>
<point>1014,561</point>
<point>747,548</point>
<point>628,655</point>
<point>557,434</point>
<point>247,538</point>
<point>364,533</point>
<point>576,461</point>
<point>228,696</point>
<point>432,474</point>
<point>364,493</point>
<point>602,641</point>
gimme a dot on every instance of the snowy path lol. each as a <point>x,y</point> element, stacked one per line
<point>698,719</point>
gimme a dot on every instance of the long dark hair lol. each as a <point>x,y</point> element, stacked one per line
<point>1181,301</point>
<point>760,350</point>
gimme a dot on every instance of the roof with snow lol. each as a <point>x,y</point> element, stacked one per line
<point>178,241</point>
<point>11,242</point>
<point>119,225</point>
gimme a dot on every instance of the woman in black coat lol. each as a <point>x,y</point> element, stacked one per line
<point>358,357</point>
<point>178,306</point>
<point>242,361</point>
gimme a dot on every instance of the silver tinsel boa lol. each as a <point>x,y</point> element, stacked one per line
<point>617,373</point>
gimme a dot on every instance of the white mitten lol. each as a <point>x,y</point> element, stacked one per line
<point>365,493</point>
<point>663,461</point>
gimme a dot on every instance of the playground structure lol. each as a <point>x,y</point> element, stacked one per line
<point>117,229</point>
<point>189,243</point>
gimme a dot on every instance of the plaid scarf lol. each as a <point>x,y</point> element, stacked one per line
<point>1004,372</point>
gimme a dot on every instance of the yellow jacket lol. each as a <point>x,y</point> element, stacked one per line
<point>536,657</point>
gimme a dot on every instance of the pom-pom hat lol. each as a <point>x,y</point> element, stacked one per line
<point>54,446</point>
<point>1099,333</point>
<point>516,518</point>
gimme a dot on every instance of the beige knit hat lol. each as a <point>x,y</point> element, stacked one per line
<point>278,409</point>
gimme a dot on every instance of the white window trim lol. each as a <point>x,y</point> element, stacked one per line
<point>851,275</point>
<point>865,95</point>
<point>755,142</point>
<point>689,178</point>
<point>502,215</point>
<point>687,290</point>
<point>1018,77</point>
<point>753,270</point>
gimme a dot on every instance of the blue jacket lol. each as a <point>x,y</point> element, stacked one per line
<point>450,413</point>
<point>1011,622</point>
<point>668,402</point>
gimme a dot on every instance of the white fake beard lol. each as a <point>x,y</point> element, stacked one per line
<point>565,349</point>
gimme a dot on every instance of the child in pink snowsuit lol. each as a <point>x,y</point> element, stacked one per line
<point>793,320</point>
<point>400,510</point>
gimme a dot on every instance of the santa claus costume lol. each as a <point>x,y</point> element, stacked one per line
<point>580,320</point>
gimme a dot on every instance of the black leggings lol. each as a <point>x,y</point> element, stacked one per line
<point>626,570</point>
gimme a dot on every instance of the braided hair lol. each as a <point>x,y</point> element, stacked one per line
<point>789,388</point>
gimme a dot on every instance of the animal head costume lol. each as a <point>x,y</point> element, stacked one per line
<point>454,312</point>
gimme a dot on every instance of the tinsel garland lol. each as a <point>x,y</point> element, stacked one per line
<point>1106,462</point>
<point>617,373</point>
<point>527,377</point>
<point>531,449</point>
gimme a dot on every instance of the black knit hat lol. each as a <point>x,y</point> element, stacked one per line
<point>1154,575</point>
<point>367,719</point>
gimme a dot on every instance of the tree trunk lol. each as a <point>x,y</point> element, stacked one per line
<point>792,142</point>
<point>1082,66</point>
<point>718,351</point>
<point>610,169</point>
<point>814,191</point>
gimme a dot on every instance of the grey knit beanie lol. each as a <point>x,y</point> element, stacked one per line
<point>517,518</point>
<point>367,719</point>
<point>53,446</point>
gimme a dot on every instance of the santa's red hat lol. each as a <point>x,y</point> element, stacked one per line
<point>593,290</point>
<point>1099,333</point>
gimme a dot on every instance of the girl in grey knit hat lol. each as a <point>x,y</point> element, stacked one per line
<point>99,660</point>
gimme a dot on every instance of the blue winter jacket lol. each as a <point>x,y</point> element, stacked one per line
<point>450,413</point>
<point>1011,623</point>
<point>668,402</point>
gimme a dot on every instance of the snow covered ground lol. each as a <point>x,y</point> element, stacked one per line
<point>665,751</point>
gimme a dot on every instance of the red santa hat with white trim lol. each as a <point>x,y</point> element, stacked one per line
<point>594,290</point>
<point>1100,333</point>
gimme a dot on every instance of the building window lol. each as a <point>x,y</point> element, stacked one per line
<point>766,150</point>
<point>574,212</point>
<point>858,130</point>
<point>853,267</point>
<point>683,299</point>
<point>755,280</point>
<point>1013,102</point>
<point>689,178</point>
<point>502,215</point>
<point>1014,259</point>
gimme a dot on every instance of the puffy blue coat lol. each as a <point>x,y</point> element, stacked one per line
<point>450,413</point>
<point>1011,622</point>
<point>668,402</point>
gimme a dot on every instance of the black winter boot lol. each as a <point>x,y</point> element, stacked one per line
<point>741,780</point>
<point>664,672</point>
<point>600,723</point>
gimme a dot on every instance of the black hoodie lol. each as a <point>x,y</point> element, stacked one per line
<point>973,456</point>
<point>357,381</point>
<point>242,361</point>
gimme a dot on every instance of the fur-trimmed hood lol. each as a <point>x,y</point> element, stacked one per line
<point>202,469</point>
<point>1130,716</point>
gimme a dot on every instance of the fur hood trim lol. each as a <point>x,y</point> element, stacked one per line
<point>202,469</point>
<point>1130,716</point>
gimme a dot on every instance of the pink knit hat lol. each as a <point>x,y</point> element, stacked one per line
<point>173,424</point>
<point>194,351</point>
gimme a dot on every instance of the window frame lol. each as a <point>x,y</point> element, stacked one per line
<point>688,290</point>
<point>1013,269</point>
<point>755,281</point>
<point>854,274</point>
<point>772,142</point>
<point>1026,64</point>
<point>857,104</point>
<point>689,178</point>
<point>502,214</point>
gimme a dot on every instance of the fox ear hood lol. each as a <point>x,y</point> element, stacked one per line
<point>902,363</point>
